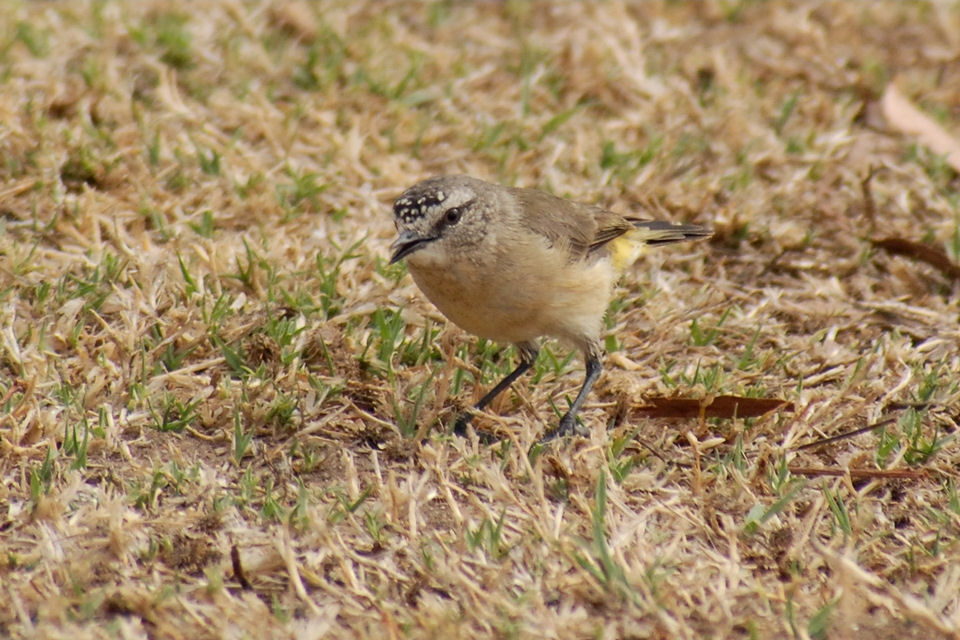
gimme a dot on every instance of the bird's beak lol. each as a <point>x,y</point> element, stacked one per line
<point>407,243</point>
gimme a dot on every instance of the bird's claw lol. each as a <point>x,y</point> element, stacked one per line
<point>460,429</point>
<point>568,427</point>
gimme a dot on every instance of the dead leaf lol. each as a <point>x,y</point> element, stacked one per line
<point>904,116</point>
<point>717,407</point>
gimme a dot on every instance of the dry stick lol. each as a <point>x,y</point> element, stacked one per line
<point>238,568</point>
<point>697,485</point>
<point>21,407</point>
<point>14,387</point>
<point>857,473</point>
<point>649,447</point>
<point>869,205</point>
<point>842,436</point>
<point>933,256</point>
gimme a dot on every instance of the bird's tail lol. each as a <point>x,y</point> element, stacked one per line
<point>663,232</point>
<point>625,250</point>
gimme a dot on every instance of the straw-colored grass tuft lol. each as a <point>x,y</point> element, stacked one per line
<point>224,415</point>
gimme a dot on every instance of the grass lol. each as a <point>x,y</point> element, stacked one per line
<point>222,413</point>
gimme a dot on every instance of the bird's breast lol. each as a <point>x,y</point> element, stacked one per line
<point>519,295</point>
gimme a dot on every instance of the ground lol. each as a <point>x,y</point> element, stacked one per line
<point>225,415</point>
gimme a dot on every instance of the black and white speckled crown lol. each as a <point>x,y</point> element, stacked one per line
<point>414,203</point>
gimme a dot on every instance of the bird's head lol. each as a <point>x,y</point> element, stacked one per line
<point>440,216</point>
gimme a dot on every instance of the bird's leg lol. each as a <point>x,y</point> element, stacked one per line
<point>528,355</point>
<point>568,423</point>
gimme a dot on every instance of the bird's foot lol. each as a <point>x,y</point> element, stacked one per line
<point>460,429</point>
<point>460,426</point>
<point>568,427</point>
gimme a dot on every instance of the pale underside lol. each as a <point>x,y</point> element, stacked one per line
<point>517,296</point>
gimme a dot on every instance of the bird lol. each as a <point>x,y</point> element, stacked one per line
<point>514,265</point>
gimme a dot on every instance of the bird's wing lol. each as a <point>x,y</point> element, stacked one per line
<point>580,229</point>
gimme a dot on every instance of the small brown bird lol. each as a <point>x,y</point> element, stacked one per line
<point>514,264</point>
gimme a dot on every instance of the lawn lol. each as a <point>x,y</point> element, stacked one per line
<point>224,414</point>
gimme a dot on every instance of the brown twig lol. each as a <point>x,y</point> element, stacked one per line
<point>843,436</point>
<point>238,568</point>
<point>933,256</point>
<point>869,205</point>
<point>857,473</point>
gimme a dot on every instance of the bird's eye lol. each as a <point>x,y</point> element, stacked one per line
<point>453,215</point>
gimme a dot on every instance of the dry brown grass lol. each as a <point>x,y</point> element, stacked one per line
<point>202,352</point>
